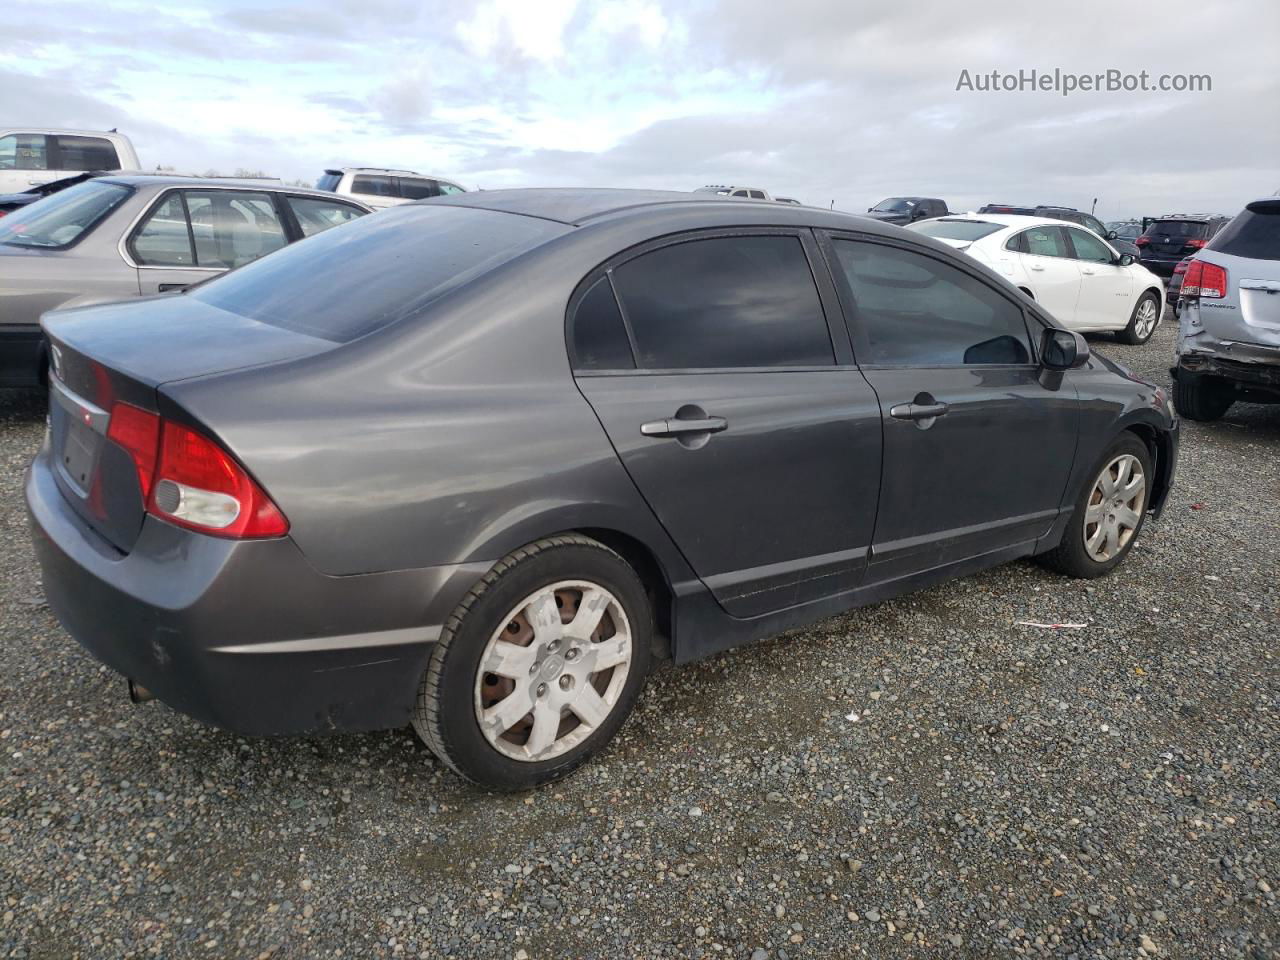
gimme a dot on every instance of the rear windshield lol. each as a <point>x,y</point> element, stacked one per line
<point>345,283</point>
<point>1177,228</point>
<point>956,229</point>
<point>1254,233</point>
<point>329,181</point>
<point>63,219</point>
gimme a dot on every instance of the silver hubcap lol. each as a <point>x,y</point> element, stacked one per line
<point>1145,322</point>
<point>1115,507</point>
<point>553,671</point>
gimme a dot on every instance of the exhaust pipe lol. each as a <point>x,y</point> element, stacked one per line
<point>138,693</point>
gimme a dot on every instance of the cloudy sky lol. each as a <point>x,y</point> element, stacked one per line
<point>824,100</point>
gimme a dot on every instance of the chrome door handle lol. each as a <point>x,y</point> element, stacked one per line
<point>918,411</point>
<point>1036,266</point>
<point>1087,272</point>
<point>675,427</point>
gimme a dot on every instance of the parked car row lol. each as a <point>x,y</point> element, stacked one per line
<point>472,462</point>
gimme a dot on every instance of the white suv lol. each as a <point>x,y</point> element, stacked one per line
<point>385,188</point>
<point>33,156</point>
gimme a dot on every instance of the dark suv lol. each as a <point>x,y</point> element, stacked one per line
<point>1167,241</point>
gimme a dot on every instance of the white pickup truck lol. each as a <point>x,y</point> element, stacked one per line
<point>33,156</point>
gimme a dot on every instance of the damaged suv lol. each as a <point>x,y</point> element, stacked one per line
<point>1229,317</point>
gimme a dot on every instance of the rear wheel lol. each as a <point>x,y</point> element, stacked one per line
<point>1198,397</point>
<point>1143,322</point>
<point>1108,514</point>
<point>539,666</point>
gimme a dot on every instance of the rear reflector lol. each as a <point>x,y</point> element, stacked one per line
<point>1142,241</point>
<point>188,480</point>
<point>1205,280</point>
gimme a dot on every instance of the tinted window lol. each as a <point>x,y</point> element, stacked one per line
<point>757,194</point>
<point>162,240</point>
<point>413,188</point>
<point>317,216</point>
<point>329,181</point>
<point>345,283</point>
<point>917,311</point>
<point>63,218</point>
<point>1093,224</point>
<point>23,151</point>
<point>893,205</point>
<point>1088,247</point>
<point>599,335</point>
<point>1041,242</point>
<point>969,230</point>
<point>233,228</point>
<point>724,302</point>
<point>375,186</point>
<point>1254,233</point>
<point>446,188</point>
<point>1174,229</point>
<point>85,153</point>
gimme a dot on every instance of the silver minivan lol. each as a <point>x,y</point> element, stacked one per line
<point>136,235</point>
<point>1229,317</point>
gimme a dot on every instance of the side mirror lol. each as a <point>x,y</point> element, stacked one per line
<point>871,209</point>
<point>1063,350</point>
<point>1126,259</point>
<point>1111,235</point>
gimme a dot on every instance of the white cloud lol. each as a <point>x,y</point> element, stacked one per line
<point>534,29</point>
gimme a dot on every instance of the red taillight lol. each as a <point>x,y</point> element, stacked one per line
<point>139,433</point>
<point>1142,241</point>
<point>188,480</point>
<point>1180,268</point>
<point>1206,280</point>
<point>1195,243</point>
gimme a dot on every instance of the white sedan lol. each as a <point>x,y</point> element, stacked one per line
<point>1072,272</point>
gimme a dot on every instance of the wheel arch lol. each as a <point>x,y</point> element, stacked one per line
<point>1160,445</point>
<point>652,574</point>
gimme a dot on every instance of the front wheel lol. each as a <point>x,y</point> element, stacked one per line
<point>1108,514</point>
<point>1143,322</point>
<point>539,666</point>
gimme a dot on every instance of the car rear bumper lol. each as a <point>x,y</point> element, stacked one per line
<point>21,355</point>
<point>245,635</point>
<point>1255,374</point>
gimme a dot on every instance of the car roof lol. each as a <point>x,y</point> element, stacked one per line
<point>179,180</point>
<point>390,170</point>
<point>1190,216</point>
<point>36,128</point>
<point>1010,220</point>
<point>576,206</point>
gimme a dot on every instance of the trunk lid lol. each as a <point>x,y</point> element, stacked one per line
<point>122,353</point>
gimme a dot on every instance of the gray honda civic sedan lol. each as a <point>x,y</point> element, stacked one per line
<point>472,463</point>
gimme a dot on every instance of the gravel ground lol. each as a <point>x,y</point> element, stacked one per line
<point>922,778</point>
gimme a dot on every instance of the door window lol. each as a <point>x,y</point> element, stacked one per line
<point>374,186</point>
<point>1040,242</point>
<point>416,188</point>
<point>447,188</point>
<point>757,194</point>
<point>920,312</point>
<point>316,216</point>
<point>1088,247</point>
<point>233,228</point>
<point>598,333</point>
<point>162,239</point>
<point>725,302</point>
<point>85,153</point>
<point>23,151</point>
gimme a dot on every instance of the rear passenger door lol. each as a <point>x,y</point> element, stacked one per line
<point>190,235</point>
<point>710,363</point>
<point>976,450</point>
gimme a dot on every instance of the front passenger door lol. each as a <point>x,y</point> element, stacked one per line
<point>1106,290</point>
<point>976,450</point>
<point>1052,272</point>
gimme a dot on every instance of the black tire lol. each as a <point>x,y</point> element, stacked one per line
<point>445,713</point>
<point>1201,398</point>
<point>1130,333</point>
<point>1070,557</point>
